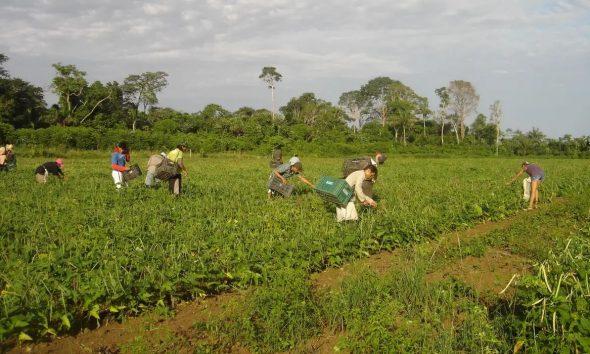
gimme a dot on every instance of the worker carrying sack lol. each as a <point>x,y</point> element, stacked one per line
<point>166,170</point>
<point>355,164</point>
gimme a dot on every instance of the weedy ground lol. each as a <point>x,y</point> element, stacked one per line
<point>77,252</point>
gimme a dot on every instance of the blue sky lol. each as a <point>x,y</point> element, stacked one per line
<point>533,56</point>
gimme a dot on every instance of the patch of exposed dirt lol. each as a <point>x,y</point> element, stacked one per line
<point>149,327</point>
<point>488,274</point>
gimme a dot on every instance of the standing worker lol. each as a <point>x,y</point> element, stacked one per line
<point>119,160</point>
<point>285,171</point>
<point>356,180</point>
<point>277,157</point>
<point>176,157</point>
<point>537,176</point>
<point>52,167</point>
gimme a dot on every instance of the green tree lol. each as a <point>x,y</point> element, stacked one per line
<point>374,96</point>
<point>21,104</point>
<point>3,71</point>
<point>69,84</point>
<point>271,77</point>
<point>142,91</point>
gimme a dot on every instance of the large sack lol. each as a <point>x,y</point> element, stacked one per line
<point>166,170</point>
<point>355,164</point>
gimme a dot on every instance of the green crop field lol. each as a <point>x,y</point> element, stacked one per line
<point>76,251</point>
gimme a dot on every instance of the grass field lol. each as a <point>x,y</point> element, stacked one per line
<point>76,251</point>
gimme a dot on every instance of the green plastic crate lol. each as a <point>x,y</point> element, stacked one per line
<point>334,190</point>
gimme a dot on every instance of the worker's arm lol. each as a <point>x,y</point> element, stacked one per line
<point>119,167</point>
<point>515,177</point>
<point>306,181</point>
<point>182,167</point>
<point>283,179</point>
<point>365,199</point>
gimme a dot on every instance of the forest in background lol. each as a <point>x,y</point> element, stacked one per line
<point>383,114</point>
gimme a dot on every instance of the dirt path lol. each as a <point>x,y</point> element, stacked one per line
<point>156,330</point>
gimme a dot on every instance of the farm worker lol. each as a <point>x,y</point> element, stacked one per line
<point>355,180</point>
<point>288,170</point>
<point>10,162</point>
<point>52,167</point>
<point>2,157</point>
<point>379,158</point>
<point>176,156</point>
<point>537,176</point>
<point>277,157</point>
<point>119,160</point>
<point>153,163</point>
<point>358,164</point>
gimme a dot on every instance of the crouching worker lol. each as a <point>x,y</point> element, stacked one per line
<point>286,171</point>
<point>176,157</point>
<point>49,168</point>
<point>119,160</point>
<point>7,158</point>
<point>152,165</point>
<point>356,180</point>
<point>537,176</point>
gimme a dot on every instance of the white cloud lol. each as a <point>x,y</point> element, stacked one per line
<point>155,9</point>
<point>327,46</point>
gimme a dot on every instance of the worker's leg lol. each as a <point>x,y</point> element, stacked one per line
<point>118,179</point>
<point>149,179</point>
<point>346,213</point>
<point>534,190</point>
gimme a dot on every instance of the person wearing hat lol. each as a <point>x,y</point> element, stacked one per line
<point>52,167</point>
<point>288,170</point>
<point>537,177</point>
<point>176,156</point>
<point>119,159</point>
<point>356,180</point>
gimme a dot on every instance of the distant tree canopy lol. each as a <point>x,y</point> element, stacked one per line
<point>382,111</point>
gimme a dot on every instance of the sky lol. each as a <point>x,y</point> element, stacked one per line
<point>533,56</point>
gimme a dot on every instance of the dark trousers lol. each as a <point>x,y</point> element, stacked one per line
<point>175,184</point>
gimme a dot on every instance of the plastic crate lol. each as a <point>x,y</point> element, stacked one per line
<point>284,189</point>
<point>334,190</point>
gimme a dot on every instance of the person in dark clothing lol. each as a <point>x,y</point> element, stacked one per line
<point>49,168</point>
<point>537,177</point>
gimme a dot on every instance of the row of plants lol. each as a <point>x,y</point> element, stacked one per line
<point>74,252</point>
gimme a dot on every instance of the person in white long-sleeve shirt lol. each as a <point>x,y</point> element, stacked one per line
<point>356,180</point>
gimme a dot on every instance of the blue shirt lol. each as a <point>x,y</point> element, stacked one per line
<point>118,159</point>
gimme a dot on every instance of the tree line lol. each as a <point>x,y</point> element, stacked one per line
<point>383,111</point>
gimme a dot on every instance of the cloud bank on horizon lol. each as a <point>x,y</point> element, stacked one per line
<point>533,56</point>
